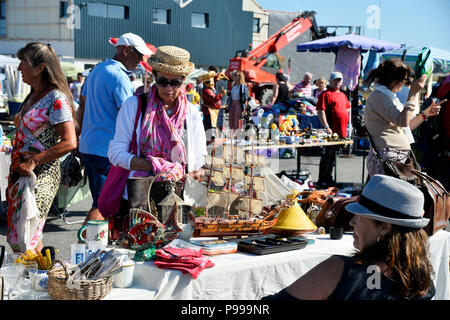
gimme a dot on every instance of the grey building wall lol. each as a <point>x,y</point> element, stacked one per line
<point>230,29</point>
<point>320,64</point>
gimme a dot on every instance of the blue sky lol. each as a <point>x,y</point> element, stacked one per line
<point>414,22</point>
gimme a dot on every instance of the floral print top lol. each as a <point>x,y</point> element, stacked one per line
<point>52,109</point>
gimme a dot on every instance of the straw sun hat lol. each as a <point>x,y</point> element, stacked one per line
<point>172,60</point>
<point>207,76</point>
<point>391,200</point>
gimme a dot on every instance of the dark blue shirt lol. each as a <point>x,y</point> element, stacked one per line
<point>356,284</point>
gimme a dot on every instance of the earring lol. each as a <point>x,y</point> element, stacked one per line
<point>379,237</point>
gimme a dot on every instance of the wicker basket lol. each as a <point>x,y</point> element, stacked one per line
<point>88,290</point>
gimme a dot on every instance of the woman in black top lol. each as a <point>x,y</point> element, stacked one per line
<point>392,259</point>
<point>281,90</point>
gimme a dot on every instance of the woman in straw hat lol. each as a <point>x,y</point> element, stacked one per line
<point>170,132</point>
<point>392,259</point>
<point>211,101</point>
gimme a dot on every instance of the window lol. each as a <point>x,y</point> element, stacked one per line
<point>256,25</point>
<point>200,20</point>
<point>2,19</point>
<point>161,16</point>
<point>97,9</point>
<point>108,11</point>
<point>118,12</point>
<point>2,10</point>
<point>63,5</point>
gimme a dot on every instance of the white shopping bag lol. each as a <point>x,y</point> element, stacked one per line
<point>26,218</point>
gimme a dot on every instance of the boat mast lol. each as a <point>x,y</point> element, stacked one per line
<point>208,185</point>
<point>250,187</point>
<point>229,178</point>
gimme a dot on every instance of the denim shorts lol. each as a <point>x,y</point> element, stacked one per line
<point>96,168</point>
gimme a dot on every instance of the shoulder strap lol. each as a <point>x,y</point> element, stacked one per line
<point>142,103</point>
<point>373,145</point>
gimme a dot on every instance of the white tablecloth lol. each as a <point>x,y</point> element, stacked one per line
<point>241,276</point>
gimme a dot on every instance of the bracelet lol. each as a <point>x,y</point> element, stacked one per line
<point>326,127</point>
<point>424,116</point>
<point>410,105</point>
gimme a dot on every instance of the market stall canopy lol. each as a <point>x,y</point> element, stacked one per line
<point>441,58</point>
<point>192,77</point>
<point>353,41</point>
<point>71,69</point>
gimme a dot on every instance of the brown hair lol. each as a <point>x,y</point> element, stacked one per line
<point>35,53</point>
<point>405,252</point>
<point>389,72</point>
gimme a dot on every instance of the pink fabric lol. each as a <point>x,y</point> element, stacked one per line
<point>305,89</point>
<point>185,260</point>
<point>348,62</point>
<point>161,136</point>
<point>116,180</point>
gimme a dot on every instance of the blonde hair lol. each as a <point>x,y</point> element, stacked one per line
<point>322,80</point>
<point>241,79</point>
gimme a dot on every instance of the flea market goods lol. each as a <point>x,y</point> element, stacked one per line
<point>437,202</point>
<point>292,221</point>
<point>235,200</point>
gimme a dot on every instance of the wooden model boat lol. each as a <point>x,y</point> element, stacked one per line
<point>246,212</point>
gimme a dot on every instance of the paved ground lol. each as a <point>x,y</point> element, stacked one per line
<point>60,235</point>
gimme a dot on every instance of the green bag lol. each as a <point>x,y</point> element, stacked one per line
<point>424,63</point>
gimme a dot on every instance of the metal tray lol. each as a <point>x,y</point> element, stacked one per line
<point>272,244</point>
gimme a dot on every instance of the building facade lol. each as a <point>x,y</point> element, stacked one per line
<point>23,21</point>
<point>212,31</point>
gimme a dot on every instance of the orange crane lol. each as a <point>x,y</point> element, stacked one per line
<point>259,81</point>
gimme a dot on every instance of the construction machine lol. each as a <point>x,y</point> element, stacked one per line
<point>261,64</point>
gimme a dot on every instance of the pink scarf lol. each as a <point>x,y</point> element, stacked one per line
<point>161,137</point>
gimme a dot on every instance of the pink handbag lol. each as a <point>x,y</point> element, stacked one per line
<point>111,194</point>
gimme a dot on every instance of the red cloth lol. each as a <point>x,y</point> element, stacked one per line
<point>185,260</point>
<point>336,105</point>
<point>210,100</point>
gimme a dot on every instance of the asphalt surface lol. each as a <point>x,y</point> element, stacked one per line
<point>61,235</point>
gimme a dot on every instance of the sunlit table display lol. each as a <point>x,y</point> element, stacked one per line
<point>241,276</point>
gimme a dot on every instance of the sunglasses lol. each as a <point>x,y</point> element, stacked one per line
<point>174,83</point>
<point>140,55</point>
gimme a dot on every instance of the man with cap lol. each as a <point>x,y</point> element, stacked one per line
<point>106,88</point>
<point>333,111</point>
